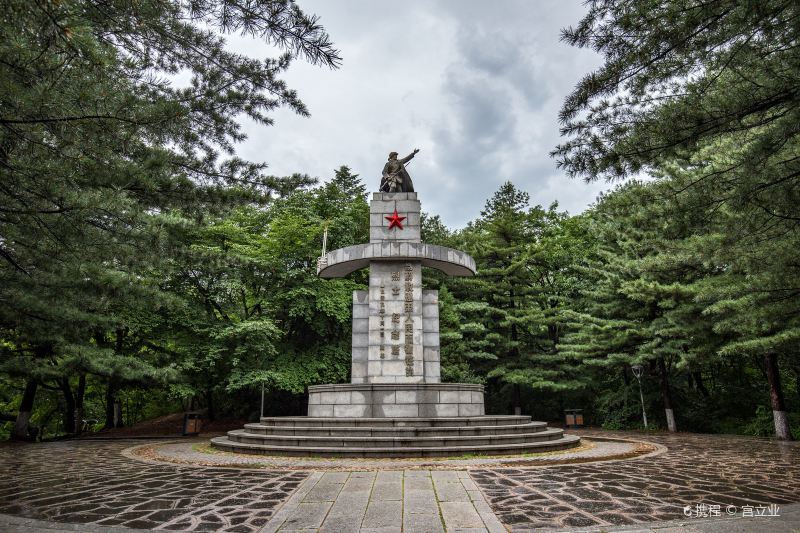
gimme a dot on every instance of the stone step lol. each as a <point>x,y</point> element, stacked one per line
<point>564,442</point>
<point>306,421</point>
<point>392,441</point>
<point>414,431</point>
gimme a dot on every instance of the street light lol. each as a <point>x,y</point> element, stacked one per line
<point>637,373</point>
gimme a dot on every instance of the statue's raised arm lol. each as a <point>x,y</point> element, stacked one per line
<point>409,157</point>
<point>394,177</point>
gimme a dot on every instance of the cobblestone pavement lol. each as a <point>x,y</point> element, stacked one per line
<point>411,501</point>
<point>91,482</point>
<point>696,469</point>
<point>92,487</point>
<point>787,522</point>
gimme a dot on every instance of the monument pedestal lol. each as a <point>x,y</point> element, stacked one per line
<point>395,405</point>
<point>386,400</point>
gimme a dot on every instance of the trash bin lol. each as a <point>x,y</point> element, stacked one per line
<point>574,418</point>
<point>192,423</point>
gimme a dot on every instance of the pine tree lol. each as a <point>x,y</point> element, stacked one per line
<point>678,74</point>
<point>104,160</point>
<point>754,298</point>
<point>709,91</point>
<point>508,315</point>
<point>639,305</point>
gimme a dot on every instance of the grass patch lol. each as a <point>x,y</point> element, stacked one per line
<point>582,448</point>
<point>585,445</point>
<point>205,447</point>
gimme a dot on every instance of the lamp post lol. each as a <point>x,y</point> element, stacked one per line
<point>637,373</point>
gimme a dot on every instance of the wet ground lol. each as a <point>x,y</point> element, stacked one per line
<point>696,470</point>
<point>93,483</point>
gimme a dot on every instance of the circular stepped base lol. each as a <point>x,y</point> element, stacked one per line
<point>397,437</point>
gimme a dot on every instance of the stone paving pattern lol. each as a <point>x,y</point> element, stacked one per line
<point>710,469</point>
<point>91,482</point>
<point>787,522</point>
<point>412,501</point>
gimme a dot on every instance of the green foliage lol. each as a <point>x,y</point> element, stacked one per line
<point>762,424</point>
<point>502,327</point>
<point>257,312</point>
<point>142,262</point>
<point>110,171</point>
<point>678,74</point>
<point>705,101</point>
<point>617,406</point>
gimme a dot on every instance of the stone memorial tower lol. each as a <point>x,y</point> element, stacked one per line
<point>395,404</point>
<point>395,369</point>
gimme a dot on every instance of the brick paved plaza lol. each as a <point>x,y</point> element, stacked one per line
<point>54,486</point>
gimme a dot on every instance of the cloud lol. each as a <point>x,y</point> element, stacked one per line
<point>475,85</point>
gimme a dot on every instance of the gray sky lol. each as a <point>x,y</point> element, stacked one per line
<point>475,85</point>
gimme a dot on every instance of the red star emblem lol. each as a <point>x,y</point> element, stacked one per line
<point>395,220</point>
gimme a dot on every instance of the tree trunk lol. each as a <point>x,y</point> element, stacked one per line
<point>666,393</point>
<point>110,391</point>
<point>699,384</point>
<point>553,334</point>
<point>21,426</point>
<point>796,368</point>
<point>210,404</point>
<point>69,406</point>
<point>776,397</point>
<point>79,404</point>
<point>118,420</point>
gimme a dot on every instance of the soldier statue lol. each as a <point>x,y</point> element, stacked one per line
<point>395,177</point>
